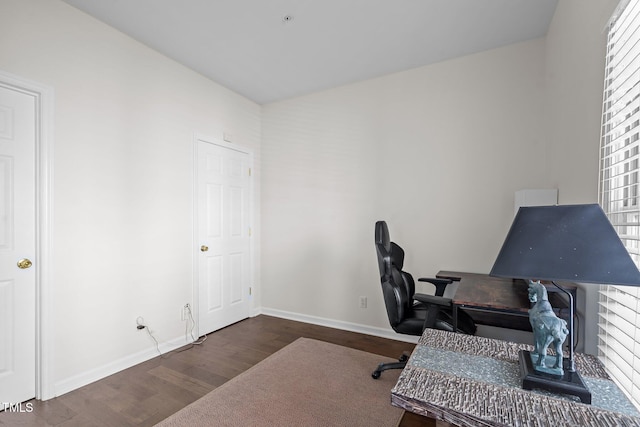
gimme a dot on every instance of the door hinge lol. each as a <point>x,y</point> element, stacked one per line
<point>249,171</point>
<point>250,290</point>
<point>249,231</point>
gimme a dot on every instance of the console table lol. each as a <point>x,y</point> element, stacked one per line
<point>475,381</point>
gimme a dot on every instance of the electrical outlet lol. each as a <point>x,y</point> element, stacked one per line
<point>363,302</point>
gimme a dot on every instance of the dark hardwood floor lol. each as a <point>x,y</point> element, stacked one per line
<point>151,391</point>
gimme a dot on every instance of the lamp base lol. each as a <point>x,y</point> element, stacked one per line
<point>570,383</point>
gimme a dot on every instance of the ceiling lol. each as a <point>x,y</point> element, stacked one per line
<point>270,50</point>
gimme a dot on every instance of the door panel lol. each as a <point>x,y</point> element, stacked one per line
<point>6,207</point>
<point>223,218</point>
<point>213,213</point>
<point>236,280</point>
<point>214,282</point>
<point>6,315</point>
<point>17,241</point>
<point>236,211</point>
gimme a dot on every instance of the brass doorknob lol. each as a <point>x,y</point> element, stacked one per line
<point>24,263</point>
<point>204,248</point>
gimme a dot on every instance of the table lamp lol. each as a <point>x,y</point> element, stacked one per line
<point>571,243</point>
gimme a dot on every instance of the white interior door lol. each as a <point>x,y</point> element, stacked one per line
<point>17,242</point>
<point>224,241</point>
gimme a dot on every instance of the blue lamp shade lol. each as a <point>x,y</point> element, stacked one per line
<point>574,243</point>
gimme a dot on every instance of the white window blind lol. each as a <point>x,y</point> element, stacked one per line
<point>618,333</point>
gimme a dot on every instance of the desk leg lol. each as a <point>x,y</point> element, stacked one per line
<point>455,317</point>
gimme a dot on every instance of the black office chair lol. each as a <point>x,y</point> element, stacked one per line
<point>408,312</point>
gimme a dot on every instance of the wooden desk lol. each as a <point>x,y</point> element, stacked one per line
<point>475,381</point>
<point>495,301</point>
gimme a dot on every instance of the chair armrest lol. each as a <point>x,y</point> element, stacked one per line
<point>440,284</point>
<point>433,300</point>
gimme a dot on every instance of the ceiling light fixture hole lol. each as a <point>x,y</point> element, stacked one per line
<point>287,18</point>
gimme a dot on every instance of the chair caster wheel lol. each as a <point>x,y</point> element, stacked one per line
<point>375,375</point>
<point>403,358</point>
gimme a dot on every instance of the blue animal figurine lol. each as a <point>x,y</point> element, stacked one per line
<point>547,329</point>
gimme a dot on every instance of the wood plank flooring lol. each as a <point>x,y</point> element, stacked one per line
<point>151,391</point>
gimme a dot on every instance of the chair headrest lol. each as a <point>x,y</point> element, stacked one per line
<point>382,235</point>
<point>394,251</point>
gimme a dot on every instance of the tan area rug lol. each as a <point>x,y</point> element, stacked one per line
<point>307,383</point>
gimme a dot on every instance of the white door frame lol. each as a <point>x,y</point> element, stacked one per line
<point>43,96</point>
<point>195,244</point>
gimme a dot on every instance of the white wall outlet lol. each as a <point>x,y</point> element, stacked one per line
<point>140,323</point>
<point>363,302</point>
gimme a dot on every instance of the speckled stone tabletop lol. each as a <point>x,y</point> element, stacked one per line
<point>475,381</point>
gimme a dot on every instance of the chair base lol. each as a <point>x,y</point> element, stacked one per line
<point>400,364</point>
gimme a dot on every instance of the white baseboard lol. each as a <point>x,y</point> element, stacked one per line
<point>84,378</point>
<point>88,377</point>
<point>339,324</point>
<point>255,311</point>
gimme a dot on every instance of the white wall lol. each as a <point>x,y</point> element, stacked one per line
<point>438,152</point>
<point>125,117</point>
<point>574,54</point>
